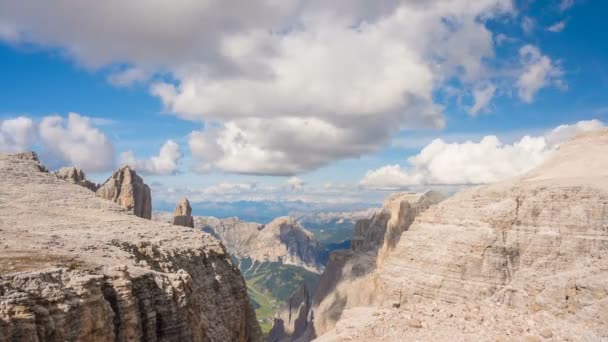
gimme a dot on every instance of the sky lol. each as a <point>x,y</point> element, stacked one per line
<point>338,103</point>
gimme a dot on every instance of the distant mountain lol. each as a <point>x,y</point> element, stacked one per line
<point>275,258</point>
<point>282,240</point>
<point>265,211</point>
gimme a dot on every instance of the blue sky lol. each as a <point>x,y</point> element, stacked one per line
<point>296,115</point>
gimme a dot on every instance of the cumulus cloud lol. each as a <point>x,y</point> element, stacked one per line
<point>163,164</point>
<point>74,141</point>
<point>128,77</point>
<point>71,141</point>
<point>269,75</point>
<point>482,97</point>
<point>565,5</point>
<point>557,27</point>
<point>486,161</point>
<point>17,135</point>
<point>295,183</point>
<point>538,71</point>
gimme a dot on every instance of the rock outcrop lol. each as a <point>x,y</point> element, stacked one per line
<point>292,318</point>
<point>75,267</point>
<point>524,259</point>
<point>282,240</point>
<point>182,215</point>
<point>75,175</point>
<point>127,189</point>
<point>348,278</point>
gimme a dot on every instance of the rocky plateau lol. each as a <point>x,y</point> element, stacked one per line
<point>77,267</point>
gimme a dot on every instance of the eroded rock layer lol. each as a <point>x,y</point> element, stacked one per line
<point>348,278</point>
<point>75,267</point>
<point>524,259</point>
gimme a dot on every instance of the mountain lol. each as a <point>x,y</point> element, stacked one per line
<point>275,259</point>
<point>523,259</point>
<point>347,281</point>
<point>77,267</point>
<point>264,211</point>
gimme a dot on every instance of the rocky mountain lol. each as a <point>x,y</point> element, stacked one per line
<point>276,259</point>
<point>524,259</point>
<point>127,189</point>
<point>76,267</point>
<point>282,240</point>
<point>347,281</point>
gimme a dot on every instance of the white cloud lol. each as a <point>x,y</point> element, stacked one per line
<point>63,142</point>
<point>565,132</point>
<point>565,5</point>
<point>486,161</point>
<point>128,77</point>
<point>17,135</point>
<point>75,142</point>
<point>482,97</point>
<point>527,25</point>
<point>557,27</point>
<point>295,183</point>
<point>538,71</point>
<point>163,164</point>
<point>264,72</point>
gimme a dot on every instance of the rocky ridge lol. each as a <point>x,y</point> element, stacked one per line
<point>76,267</point>
<point>348,279</point>
<point>75,175</point>
<point>524,259</point>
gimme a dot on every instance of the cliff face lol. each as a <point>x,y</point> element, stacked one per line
<point>127,189</point>
<point>282,240</point>
<point>525,258</point>
<point>348,279</point>
<point>76,267</point>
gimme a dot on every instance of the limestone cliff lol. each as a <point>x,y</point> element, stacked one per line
<point>127,189</point>
<point>348,279</point>
<point>75,267</point>
<point>292,318</point>
<point>524,259</point>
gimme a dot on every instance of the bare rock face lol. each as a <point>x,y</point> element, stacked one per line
<point>127,189</point>
<point>292,318</point>
<point>518,260</point>
<point>76,176</point>
<point>76,267</point>
<point>182,216</point>
<point>283,239</point>
<point>348,278</point>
